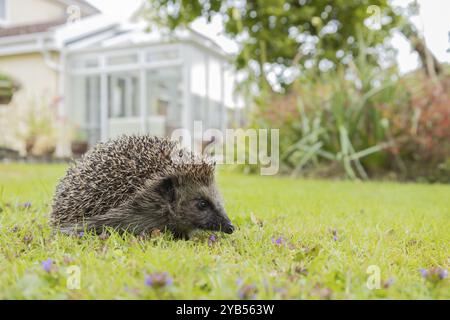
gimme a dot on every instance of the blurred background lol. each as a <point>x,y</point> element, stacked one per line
<point>359,89</point>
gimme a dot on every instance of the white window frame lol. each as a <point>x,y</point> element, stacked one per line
<point>4,20</point>
<point>142,66</point>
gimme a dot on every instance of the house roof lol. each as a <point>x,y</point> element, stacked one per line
<point>86,9</point>
<point>30,28</point>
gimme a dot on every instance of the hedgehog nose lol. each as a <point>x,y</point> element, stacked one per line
<point>228,228</point>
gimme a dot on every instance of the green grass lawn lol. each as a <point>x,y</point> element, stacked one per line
<point>296,239</point>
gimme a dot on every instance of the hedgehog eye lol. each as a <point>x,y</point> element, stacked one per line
<point>202,204</point>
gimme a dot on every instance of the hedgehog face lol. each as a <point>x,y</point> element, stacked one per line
<point>196,205</point>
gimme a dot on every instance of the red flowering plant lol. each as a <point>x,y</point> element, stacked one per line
<point>420,126</point>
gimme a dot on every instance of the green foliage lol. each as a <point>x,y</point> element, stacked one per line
<point>334,118</point>
<point>287,33</point>
<point>7,88</point>
<point>364,124</point>
<point>78,134</point>
<point>39,118</point>
<point>295,240</point>
<point>420,126</point>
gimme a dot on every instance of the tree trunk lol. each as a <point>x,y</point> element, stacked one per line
<point>430,64</point>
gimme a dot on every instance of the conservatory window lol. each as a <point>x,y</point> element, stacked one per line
<point>86,97</point>
<point>124,95</point>
<point>85,63</point>
<point>215,81</point>
<point>162,55</point>
<point>162,107</point>
<point>3,10</point>
<point>122,59</point>
<point>164,93</point>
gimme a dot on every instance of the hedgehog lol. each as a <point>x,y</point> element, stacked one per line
<point>138,184</point>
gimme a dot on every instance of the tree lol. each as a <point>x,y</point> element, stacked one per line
<point>276,36</point>
<point>430,64</point>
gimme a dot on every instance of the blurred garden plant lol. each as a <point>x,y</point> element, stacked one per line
<point>334,119</point>
<point>38,127</point>
<point>421,128</point>
<point>8,87</point>
<point>365,123</point>
<point>79,141</point>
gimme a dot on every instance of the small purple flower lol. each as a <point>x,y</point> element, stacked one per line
<point>279,241</point>
<point>81,234</point>
<point>424,272</point>
<point>212,239</point>
<point>280,290</point>
<point>27,238</point>
<point>389,282</point>
<point>335,235</point>
<point>47,265</point>
<point>248,291</point>
<point>26,205</point>
<point>158,280</point>
<point>435,274</point>
<point>323,292</point>
<point>443,273</point>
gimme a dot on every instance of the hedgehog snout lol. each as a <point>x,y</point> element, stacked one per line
<point>228,228</point>
<point>226,225</point>
<point>220,222</point>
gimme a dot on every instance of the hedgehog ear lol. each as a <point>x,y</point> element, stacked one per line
<point>166,188</point>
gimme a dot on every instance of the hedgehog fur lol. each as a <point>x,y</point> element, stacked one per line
<point>139,183</point>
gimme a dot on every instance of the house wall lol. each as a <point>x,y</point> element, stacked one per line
<point>39,91</point>
<point>33,11</point>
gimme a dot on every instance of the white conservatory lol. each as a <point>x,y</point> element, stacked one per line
<point>138,82</point>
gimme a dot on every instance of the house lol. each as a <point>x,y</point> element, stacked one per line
<point>107,77</point>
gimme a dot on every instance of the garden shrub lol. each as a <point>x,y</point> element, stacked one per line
<point>394,127</point>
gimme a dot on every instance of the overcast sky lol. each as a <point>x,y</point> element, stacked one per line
<point>434,22</point>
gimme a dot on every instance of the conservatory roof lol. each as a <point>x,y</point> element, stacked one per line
<point>94,33</point>
<point>137,34</point>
